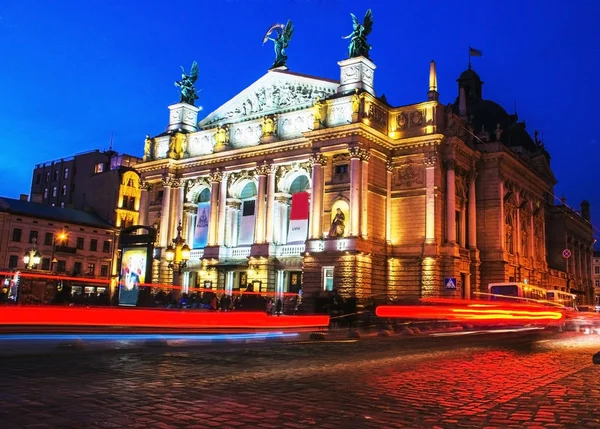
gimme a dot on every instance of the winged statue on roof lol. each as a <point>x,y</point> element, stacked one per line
<point>186,85</point>
<point>280,43</point>
<point>358,38</point>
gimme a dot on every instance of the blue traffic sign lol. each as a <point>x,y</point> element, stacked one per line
<point>450,283</point>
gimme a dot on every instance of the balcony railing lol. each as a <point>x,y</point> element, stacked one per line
<point>290,250</point>
<point>196,254</point>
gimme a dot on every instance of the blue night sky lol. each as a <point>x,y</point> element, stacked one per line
<point>74,72</point>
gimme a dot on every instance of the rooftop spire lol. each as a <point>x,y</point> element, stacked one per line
<point>432,94</point>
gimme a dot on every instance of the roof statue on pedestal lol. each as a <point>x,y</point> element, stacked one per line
<point>186,85</point>
<point>358,39</point>
<point>284,35</point>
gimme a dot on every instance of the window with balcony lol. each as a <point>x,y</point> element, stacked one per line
<point>16,234</point>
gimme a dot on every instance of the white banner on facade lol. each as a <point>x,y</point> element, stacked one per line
<point>298,229</point>
<point>201,230</point>
<point>247,223</point>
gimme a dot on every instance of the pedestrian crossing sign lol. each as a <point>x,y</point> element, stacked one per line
<point>450,283</point>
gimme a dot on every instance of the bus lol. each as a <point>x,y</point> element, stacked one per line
<point>517,292</point>
<point>562,299</point>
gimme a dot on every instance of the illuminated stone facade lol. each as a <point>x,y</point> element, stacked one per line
<point>428,193</point>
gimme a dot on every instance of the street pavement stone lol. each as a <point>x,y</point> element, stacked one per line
<point>379,383</point>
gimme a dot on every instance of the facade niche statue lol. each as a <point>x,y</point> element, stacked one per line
<point>280,43</point>
<point>186,85</point>
<point>337,226</point>
<point>148,148</point>
<point>358,38</point>
<point>222,136</point>
<point>177,146</point>
<point>268,126</point>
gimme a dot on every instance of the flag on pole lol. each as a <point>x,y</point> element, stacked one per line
<point>474,52</point>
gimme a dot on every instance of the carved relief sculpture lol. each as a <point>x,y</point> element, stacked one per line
<point>318,111</point>
<point>222,135</point>
<point>268,126</point>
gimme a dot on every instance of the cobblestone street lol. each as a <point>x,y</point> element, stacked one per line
<point>455,382</point>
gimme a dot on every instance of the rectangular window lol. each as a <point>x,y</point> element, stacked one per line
<point>47,177</point>
<point>77,268</point>
<point>93,245</point>
<point>341,169</point>
<point>66,173</point>
<point>46,193</point>
<point>80,243</point>
<point>13,260</point>
<point>33,235</point>
<point>55,175</point>
<point>596,270</point>
<point>48,238</point>
<point>16,235</point>
<point>54,191</point>
<point>104,270</point>
<point>597,283</point>
<point>106,246</point>
<point>62,204</point>
<point>91,269</point>
<point>61,266</point>
<point>64,190</point>
<point>45,263</point>
<point>99,168</point>
<point>328,278</point>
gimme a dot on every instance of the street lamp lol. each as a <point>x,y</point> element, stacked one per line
<point>32,256</point>
<point>178,254</point>
<point>61,237</point>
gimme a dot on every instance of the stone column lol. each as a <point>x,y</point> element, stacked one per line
<point>261,172</point>
<point>430,163</point>
<point>450,202</point>
<point>355,183</point>
<point>144,200</point>
<point>467,286</point>
<point>233,209</point>
<point>388,202</point>
<point>364,174</point>
<point>189,223</point>
<point>178,198</point>
<point>215,181</point>
<point>472,208</point>
<point>501,214</point>
<point>270,203</point>
<point>318,161</point>
<point>283,204</point>
<point>165,212</point>
<point>531,237</point>
<point>222,210</point>
<point>463,227</point>
<point>517,228</point>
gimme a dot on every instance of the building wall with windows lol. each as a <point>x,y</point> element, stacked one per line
<point>596,275</point>
<point>81,243</point>
<point>95,180</point>
<point>307,178</point>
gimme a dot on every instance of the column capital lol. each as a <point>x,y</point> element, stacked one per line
<point>360,153</point>
<point>144,185</point>
<point>167,180</point>
<point>450,164</point>
<point>264,169</point>
<point>389,166</point>
<point>430,160</point>
<point>215,176</point>
<point>177,182</point>
<point>317,158</point>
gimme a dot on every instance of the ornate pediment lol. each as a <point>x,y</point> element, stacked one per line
<point>278,91</point>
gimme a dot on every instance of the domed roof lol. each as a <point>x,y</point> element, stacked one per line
<point>469,74</point>
<point>488,114</point>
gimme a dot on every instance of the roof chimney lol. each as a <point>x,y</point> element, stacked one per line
<point>585,210</point>
<point>23,197</point>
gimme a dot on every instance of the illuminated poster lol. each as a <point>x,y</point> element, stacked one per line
<point>247,223</point>
<point>133,273</point>
<point>298,229</point>
<point>201,230</point>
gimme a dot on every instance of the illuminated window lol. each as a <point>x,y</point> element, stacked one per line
<point>99,168</point>
<point>91,269</point>
<point>55,175</point>
<point>54,191</point>
<point>328,278</point>
<point>46,193</point>
<point>64,190</point>
<point>66,173</point>
<point>62,204</point>
<point>47,177</point>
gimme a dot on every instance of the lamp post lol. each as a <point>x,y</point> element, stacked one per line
<point>32,256</point>
<point>177,255</point>
<point>61,237</point>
